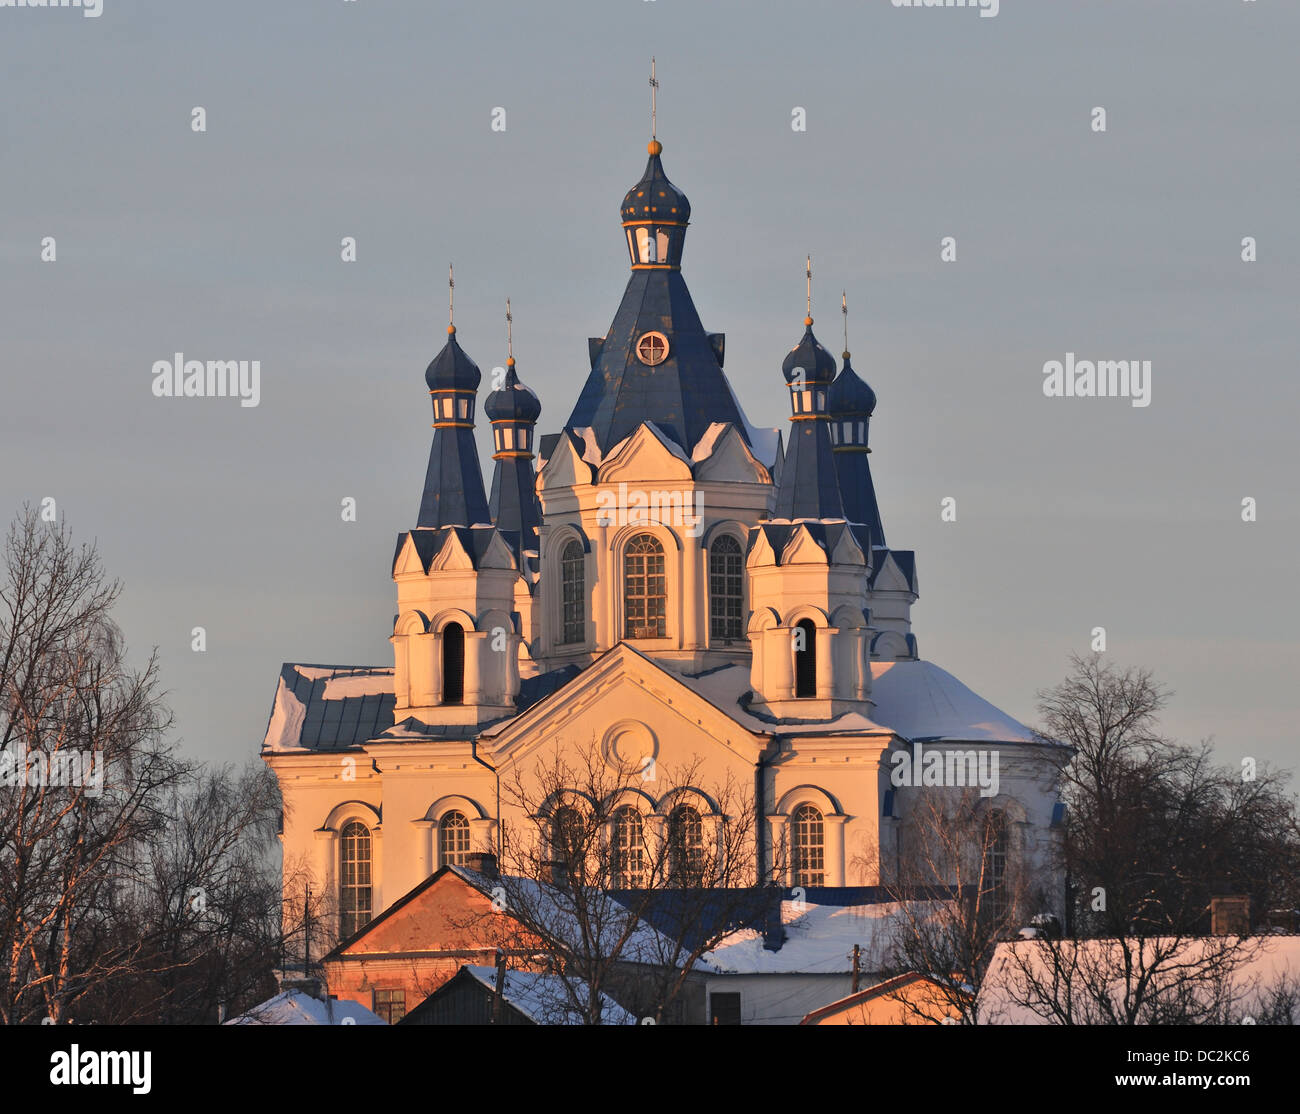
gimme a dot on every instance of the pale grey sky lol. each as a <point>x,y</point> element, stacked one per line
<point>372,119</point>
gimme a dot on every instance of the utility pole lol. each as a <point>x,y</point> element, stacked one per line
<point>857,956</point>
<point>501,987</point>
<point>306,931</point>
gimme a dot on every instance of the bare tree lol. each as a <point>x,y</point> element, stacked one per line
<point>622,877</point>
<point>962,886</point>
<point>85,771</point>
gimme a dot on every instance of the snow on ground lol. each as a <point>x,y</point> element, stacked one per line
<point>545,999</point>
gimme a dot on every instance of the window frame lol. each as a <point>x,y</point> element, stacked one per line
<point>352,915</point>
<point>645,550</point>
<point>807,855</point>
<point>734,622</point>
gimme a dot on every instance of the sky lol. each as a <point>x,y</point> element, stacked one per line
<point>373,119</point>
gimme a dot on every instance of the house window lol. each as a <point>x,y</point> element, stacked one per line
<point>627,849</point>
<point>725,588</point>
<point>996,839</point>
<point>453,664</point>
<point>573,581</point>
<point>724,1009</point>
<point>453,840</point>
<point>390,1005</point>
<point>685,847</point>
<point>354,878</point>
<point>808,847</point>
<point>805,658</point>
<point>645,603</point>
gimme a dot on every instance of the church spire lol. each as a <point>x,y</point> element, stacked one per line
<point>453,485</point>
<point>513,410</point>
<point>851,402</point>
<point>808,487</point>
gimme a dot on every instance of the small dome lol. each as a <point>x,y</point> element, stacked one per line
<point>513,402</point>
<point>451,369</point>
<point>850,394</point>
<point>654,197</point>
<point>817,364</point>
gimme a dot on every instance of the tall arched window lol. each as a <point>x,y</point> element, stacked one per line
<point>354,878</point>
<point>453,840</point>
<point>805,658</point>
<point>808,847</point>
<point>726,570</point>
<point>627,849</point>
<point>685,847</point>
<point>645,601</point>
<point>453,664</point>
<point>573,581</point>
<point>568,847</point>
<point>995,897</point>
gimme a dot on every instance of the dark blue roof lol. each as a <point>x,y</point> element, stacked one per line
<point>514,503</point>
<point>825,534</point>
<point>452,369</point>
<point>857,491</point>
<point>809,486</point>
<point>453,485</point>
<point>850,395</point>
<point>339,722</point>
<point>429,542</point>
<point>809,358</point>
<point>683,395</point>
<point>654,197</point>
<point>513,402</point>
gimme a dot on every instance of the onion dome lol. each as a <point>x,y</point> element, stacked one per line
<point>654,197</point>
<point>513,402</point>
<point>808,362</point>
<point>451,369</point>
<point>850,396</point>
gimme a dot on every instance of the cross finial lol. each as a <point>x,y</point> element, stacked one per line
<point>844,309</point>
<point>808,272</point>
<point>510,340</point>
<point>451,299</point>
<point>654,88</point>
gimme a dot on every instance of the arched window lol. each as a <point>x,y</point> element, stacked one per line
<point>627,849</point>
<point>805,658</point>
<point>453,840</point>
<point>453,664</point>
<point>685,847</point>
<point>994,896</point>
<point>645,602</point>
<point>726,570</point>
<point>568,847</point>
<point>354,878</point>
<point>573,581</point>
<point>808,847</point>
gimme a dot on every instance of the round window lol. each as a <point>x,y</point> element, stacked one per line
<point>652,348</point>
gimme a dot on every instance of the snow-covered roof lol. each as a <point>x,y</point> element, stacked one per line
<point>297,1007</point>
<point>322,707</point>
<point>1266,961</point>
<point>545,999</point>
<point>921,701</point>
<point>819,939</point>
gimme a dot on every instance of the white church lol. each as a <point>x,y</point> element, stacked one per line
<point>658,577</point>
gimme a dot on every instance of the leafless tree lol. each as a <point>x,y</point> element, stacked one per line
<point>623,877</point>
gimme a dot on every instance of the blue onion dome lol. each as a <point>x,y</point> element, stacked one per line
<point>451,369</point>
<point>513,402</point>
<point>849,394</point>
<point>655,197</point>
<point>818,365</point>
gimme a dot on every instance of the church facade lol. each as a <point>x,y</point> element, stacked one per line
<point>660,581</point>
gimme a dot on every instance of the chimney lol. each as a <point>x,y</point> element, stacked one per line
<point>1230,915</point>
<point>773,929</point>
<point>485,862</point>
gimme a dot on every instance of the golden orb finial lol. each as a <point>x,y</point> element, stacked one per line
<point>654,147</point>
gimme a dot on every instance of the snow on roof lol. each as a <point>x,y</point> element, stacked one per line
<point>545,999</point>
<point>1266,962</point>
<point>297,1007</point>
<point>326,707</point>
<point>724,687</point>
<point>590,446</point>
<point>819,939</point>
<point>921,701</point>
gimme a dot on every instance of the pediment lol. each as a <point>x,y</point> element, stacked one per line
<point>803,549</point>
<point>847,551</point>
<point>889,577</point>
<point>722,455</point>
<point>646,456</point>
<point>565,467</point>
